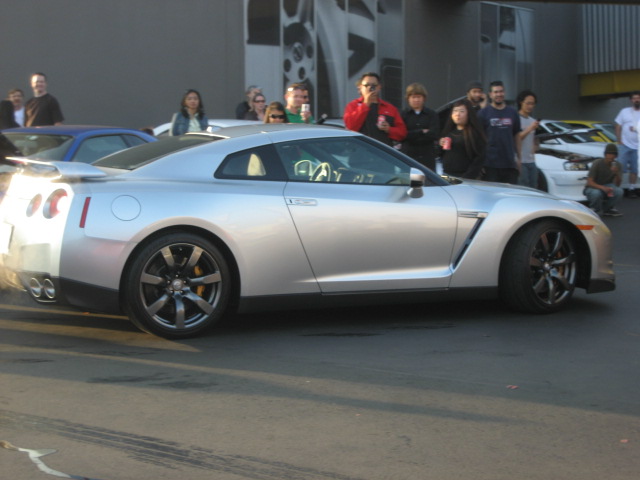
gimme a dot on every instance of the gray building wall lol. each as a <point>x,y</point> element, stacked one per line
<point>125,62</point>
<point>128,62</point>
<point>442,50</point>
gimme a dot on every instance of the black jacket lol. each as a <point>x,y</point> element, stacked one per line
<point>419,145</point>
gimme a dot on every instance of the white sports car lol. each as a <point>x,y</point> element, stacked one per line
<point>177,232</point>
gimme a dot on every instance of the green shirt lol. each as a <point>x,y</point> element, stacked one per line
<point>601,173</point>
<point>297,117</point>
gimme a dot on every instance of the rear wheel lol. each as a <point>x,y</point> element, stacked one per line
<point>539,268</point>
<point>178,286</point>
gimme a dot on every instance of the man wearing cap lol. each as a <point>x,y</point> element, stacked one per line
<point>603,183</point>
<point>475,94</point>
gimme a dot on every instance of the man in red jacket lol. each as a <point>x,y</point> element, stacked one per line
<point>371,115</point>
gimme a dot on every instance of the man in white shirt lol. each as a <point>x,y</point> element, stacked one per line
<point>627,133</point>
<point>16,96</point>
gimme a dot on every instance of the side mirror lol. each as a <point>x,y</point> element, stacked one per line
<point>416,182</point>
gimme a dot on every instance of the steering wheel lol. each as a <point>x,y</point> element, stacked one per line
<point>322,173</point>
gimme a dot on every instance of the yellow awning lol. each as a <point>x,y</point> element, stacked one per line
<point>609,84</point>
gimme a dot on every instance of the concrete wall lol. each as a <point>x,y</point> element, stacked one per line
<point>443,52</point>
<point>442,48</point>
<point>128,62</point>
<point>125,62</point>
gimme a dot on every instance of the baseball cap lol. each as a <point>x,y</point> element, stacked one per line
<point>473,85</point>
<point>611,148</point>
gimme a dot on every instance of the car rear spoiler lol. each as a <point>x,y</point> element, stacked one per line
<point>565,133</point>
<point>64,169</point>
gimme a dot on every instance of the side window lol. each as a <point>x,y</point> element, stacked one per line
<point>258,163</point>
<point>94,148</point>
<point>133,141</point>
<point>342,160</point>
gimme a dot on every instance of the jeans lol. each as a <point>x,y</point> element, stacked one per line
<point>599,201</point>
<point>628,157</point>
<point>528,175</point>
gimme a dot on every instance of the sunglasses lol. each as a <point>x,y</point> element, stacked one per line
<point>273,115</point>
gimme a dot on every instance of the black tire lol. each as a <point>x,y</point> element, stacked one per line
<point>539,268</point>
<point>177,287</point>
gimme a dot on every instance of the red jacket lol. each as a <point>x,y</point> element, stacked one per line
<point>356,112</point>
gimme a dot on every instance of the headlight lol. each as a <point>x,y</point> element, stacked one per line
<point>576,166</point>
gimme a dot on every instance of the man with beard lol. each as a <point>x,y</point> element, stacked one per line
<point>502,127</point>
<point>626,131</point>
<point>475,95</point>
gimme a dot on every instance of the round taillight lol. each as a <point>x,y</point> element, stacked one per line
<point>34,205</point>
<point>58,202</point>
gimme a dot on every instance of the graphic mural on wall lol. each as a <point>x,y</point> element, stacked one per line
<point>327,44</point>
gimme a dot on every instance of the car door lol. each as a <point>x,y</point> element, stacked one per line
<point>360,229</point>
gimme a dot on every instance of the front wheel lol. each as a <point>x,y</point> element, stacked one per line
<point>539,268</point>
<point>177,287</point>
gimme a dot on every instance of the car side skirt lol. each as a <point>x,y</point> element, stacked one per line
<point>352,299</point>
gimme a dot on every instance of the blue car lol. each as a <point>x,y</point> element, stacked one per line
<point>74,143</point>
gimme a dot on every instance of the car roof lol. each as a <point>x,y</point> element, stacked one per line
<point>278,131</point>
<point>216,123</point>
<point>71,129</point>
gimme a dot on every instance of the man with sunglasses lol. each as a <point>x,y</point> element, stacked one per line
<point>297,107</point>
<point>371,115</point>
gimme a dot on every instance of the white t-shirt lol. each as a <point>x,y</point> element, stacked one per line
<point>628,119</point>
<point>527,145</point>
<point>18,115</point>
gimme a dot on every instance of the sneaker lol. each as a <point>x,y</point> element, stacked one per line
<point>632,193</point>
<point>612,212</point>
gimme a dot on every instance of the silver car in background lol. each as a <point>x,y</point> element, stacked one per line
<point>177,232</point>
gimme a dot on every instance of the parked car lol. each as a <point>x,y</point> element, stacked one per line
<point>558,135</point>
<point>74,143</point>
<point>214,125</point>
<point>599,131</point>
<point>178,232</point>
<point>563,174</point>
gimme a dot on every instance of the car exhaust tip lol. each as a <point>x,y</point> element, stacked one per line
<point>49,289</point>
<point>35,287</point>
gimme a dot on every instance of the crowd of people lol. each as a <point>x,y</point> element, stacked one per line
<point>482,138</point>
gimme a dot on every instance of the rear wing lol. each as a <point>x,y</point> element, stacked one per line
<point>63,169</point>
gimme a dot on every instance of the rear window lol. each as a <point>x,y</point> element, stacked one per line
<point>41,146</point>
<point>136,157</point>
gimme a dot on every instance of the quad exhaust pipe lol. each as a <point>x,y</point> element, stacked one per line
<point>44,289</point>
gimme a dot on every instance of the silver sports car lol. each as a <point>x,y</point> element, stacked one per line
<point>175,233</point>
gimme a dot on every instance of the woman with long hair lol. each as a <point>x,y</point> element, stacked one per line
<point>463,142</point>
<point>191,117</point>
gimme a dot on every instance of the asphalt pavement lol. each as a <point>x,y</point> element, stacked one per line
<point>449,391</point>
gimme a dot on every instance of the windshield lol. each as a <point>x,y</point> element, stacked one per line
<point>40,146</point>
<point>608,129</point>
<point>135,157</point>
<point>558,127</point>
